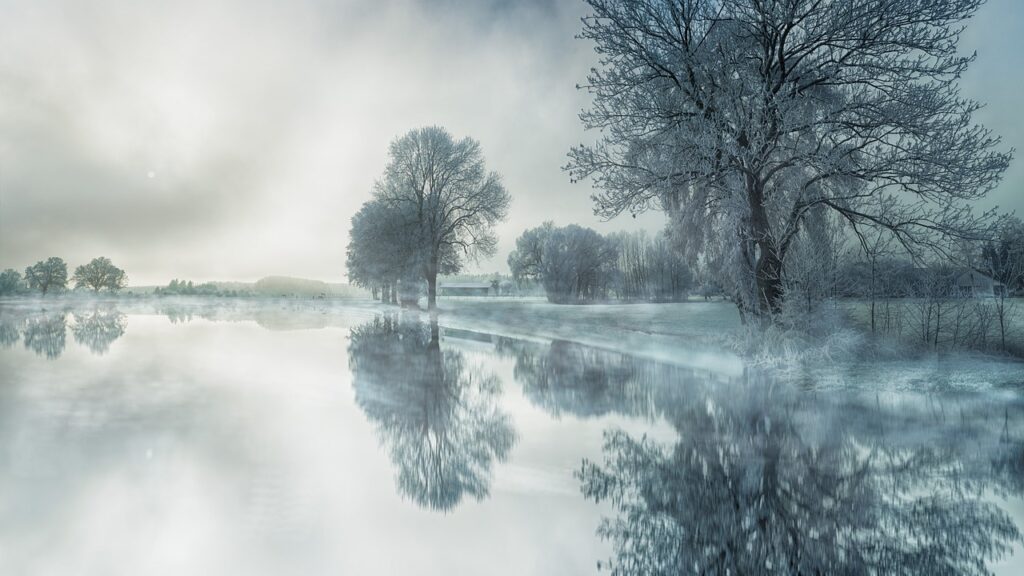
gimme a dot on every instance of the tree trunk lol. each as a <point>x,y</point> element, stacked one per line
<point>1001,308</point>
<point>872,294</point>
<point>768,267</point>
<point>769,282</point>
<point>435,333</point>
<point>432,284</point>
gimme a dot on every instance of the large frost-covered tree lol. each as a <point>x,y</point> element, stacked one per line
<point>741,117</point>
<point>447,199</point>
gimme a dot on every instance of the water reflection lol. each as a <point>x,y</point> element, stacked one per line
<point>10,331</point>
<point>98,328</point>
<point>770,481</point>
<point>565,377</point>
<point>741,475</point>
<point>45,333</point>
<point>436,412</point>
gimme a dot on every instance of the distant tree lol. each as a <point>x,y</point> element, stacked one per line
<point>381,252</point>
<point>815,272</point>
<point>669,277</point>
<point>182,288</point>
<point>739,117</point>
<point>100,274</point>
<point>447,200</point>
<point>10,282</point>
<point>527,260</point>
<point>1003,260</point>
<point>649,269</point>
<point>1003,255</point>
<point>576,265</point>
<point>47,275</point>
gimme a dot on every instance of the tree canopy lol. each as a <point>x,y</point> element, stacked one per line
<point>740,118</point>
<point>10,282</point>
<point>47,275</point>
<point>100,274</point>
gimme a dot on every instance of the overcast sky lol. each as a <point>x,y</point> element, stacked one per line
<point>233,139</point>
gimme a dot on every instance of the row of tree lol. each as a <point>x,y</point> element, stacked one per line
<point>188,288</point>
<point>51,275</point>
<point>435,207</point>
<point>576,265</point>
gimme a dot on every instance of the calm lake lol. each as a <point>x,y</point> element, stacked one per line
<point>149,439</point>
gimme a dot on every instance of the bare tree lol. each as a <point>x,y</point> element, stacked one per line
<point>448,200</point>
<point>1003,260</point>
<point>527,260</point>
<point>738,117</point>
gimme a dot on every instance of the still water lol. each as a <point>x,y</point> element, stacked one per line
<point>262,441</point>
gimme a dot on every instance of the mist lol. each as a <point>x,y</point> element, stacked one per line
<point>229,140</point>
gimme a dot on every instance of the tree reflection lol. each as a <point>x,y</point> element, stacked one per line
<point>436,412</point>
<point>99,328</point>
<point>565,377</point>
<point>10,330</point>
<point>46,333</point>
<point>761,482</point>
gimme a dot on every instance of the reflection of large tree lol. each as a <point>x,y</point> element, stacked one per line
<point>98,329</point>
<point>755,485</point>
<point>437,414</point>
<point>45,334</point>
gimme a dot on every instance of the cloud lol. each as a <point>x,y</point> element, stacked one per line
<point>230,139</point>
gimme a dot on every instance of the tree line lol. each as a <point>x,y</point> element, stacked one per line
<point>189,288</point>
<point>51,275</point>
<point>578,265</point>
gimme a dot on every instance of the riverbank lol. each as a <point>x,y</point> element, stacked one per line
<point>697,334</point>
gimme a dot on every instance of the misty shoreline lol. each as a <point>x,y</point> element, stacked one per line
<point>698,335</point>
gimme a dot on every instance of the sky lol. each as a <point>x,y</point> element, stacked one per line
<point>234,139</point>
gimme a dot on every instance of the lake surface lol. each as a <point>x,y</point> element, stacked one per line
<point>150,439</point>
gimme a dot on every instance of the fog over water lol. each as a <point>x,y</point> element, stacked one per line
<point>169,438</point>
<point>229,140</point>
